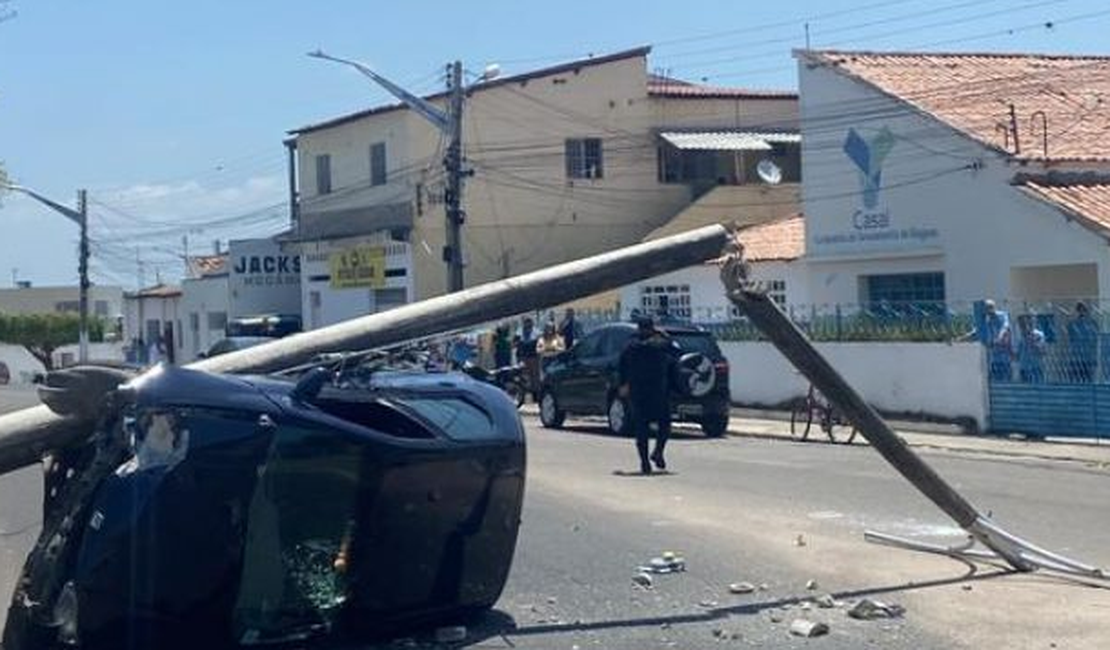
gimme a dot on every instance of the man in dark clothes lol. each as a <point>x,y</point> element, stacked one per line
<point>646,366</point>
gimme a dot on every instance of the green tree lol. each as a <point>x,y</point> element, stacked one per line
<point>42,334</point>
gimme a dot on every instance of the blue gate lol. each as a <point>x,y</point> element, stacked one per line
<point>1079,410</point>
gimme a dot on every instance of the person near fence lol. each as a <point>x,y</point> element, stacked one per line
<point>997,338</point>
<point>526,355</point>
<point>549,345</point>
<point>569,328</point>
<point>502,347</point>
<point>1030,351</point>
<point>645,370</point>
<point>1082,345</point>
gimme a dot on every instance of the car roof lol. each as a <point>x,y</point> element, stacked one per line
<point>668,328</point>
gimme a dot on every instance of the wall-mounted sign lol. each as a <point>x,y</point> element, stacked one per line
<point>263,279</point>
<point>361,266</point>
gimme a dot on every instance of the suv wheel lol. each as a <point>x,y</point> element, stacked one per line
<point>618,413</point>
<point>715,426</point>
<point>550,415</point>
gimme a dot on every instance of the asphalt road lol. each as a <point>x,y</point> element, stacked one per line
<point>737,509</point>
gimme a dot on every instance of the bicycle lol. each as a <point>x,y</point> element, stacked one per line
<point>815,407</point>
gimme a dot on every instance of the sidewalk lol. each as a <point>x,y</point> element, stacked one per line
<point>775,425</point>
<point>930,435</point>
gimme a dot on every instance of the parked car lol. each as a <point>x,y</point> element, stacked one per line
<point>234,344</point>
<point>221,511</point>
<point>584,381</point>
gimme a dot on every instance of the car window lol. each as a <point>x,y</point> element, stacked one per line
<point>702,342</point>
<point>588,347</point>
<point>458,418</point>
<point>616,340</point>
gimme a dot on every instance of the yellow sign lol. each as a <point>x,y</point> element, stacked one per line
<point>363,266</point>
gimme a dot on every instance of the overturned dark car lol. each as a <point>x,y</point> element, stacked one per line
<point>220,511</point>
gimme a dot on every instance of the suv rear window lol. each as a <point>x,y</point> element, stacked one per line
<point>702,342</point>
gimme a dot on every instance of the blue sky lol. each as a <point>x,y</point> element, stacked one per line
<point>175,112</point>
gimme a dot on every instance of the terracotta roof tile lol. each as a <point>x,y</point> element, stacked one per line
<point>201,265</point>
<point>782,240</point>
<point>1087,200</point>
<point>974,92</point>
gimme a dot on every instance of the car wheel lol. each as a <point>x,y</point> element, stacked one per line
<point>715,426</point>
<point>550,415</point>
<point>695,375</point>
<point>618,413</point>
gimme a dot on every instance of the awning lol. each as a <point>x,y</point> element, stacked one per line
<point>727,140</point>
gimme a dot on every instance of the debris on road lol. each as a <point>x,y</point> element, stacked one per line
<point>669,562</point>
<point>800,540</point>
<point>826,601</point>
<point>807,628</point>
<point>741,588</point>
<point>451,634</point>
<point>644,580</point>
<point>811,585</point>
<point>721,634</point>
<point>867,610</point>
<point>708,604</point>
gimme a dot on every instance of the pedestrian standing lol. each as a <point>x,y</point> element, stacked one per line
<point>526,354</point>
<point>1083,345</point>
<point>569,328</point>
<point>645,369</point>
<point>549,346</point>
<point>996,337</point>
<point>1030,351</point>
<point>502,347</point>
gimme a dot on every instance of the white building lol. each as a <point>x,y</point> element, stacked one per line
<point>204,305</point>
<point>153,314</point>
<point>955,177</point>
<point>568,161</point>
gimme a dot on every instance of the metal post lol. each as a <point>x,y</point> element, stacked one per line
<point>294,206</point>
<point>83,271</point>
<point>452,252</point>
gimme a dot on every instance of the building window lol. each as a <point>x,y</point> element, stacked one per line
<point>101,308</point>
<point>671,300</point>
<point>776,291</point>
<point>323,174</point>
<point>217,320</point>
<point>904,292</point>
<point>66,306</point>
<point>584,158</point>
<point>377,163</point>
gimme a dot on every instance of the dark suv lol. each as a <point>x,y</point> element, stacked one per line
<point>583,380</point>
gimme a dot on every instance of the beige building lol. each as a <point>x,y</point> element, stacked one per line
<point>104,302</point>
<point>567,161</point>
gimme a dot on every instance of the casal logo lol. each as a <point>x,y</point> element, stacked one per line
<point>868,156</point>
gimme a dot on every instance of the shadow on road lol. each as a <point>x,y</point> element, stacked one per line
<point>678,432</point>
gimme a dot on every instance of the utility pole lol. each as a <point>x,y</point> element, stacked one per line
<point>449,123</point>
<point>452,252</point>
<point>79,217</point>
<point>83,272</point>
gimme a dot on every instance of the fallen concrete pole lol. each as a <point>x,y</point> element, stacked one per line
<point>25,436</point>
<point>796,347</point>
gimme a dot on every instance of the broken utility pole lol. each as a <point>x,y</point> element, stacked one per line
<point>794,345</point>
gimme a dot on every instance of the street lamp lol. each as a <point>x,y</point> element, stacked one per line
<point>79,217</point>
<point>449,122</point>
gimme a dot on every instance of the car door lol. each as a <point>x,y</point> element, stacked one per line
<point>569,374</point>
<point>598,372</point>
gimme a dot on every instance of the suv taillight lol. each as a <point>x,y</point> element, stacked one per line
<point>721,367</point>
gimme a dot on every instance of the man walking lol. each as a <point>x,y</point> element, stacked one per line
<point>1083,345</point>
<point>646,367</point>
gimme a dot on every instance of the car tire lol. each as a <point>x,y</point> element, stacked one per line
<point>550,415</point>
<point>618,413</point>
<point>715,426</point>
<point>695,375</point>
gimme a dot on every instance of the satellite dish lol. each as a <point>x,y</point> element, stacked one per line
<point>769,171</point>
<point>491,72</point>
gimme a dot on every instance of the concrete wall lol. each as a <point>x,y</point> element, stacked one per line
<point>946,204</point>
<point>68,355</point>
<point>931,378</point>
